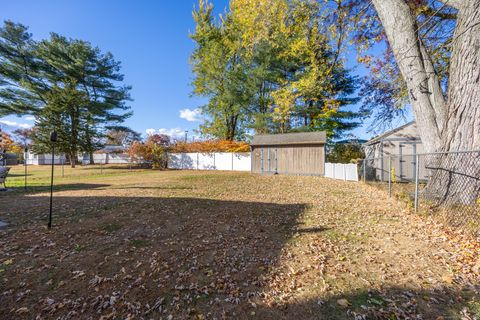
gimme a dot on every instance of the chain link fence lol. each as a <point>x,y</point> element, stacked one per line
<point>443,184</point>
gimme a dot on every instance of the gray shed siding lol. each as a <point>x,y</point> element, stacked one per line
<point>291,153</point>
<point>401,144</point>
<point>290,159</point>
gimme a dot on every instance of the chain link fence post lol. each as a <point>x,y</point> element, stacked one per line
<point>390,176</point>
<point>364,170</point>
<point>417,172</point>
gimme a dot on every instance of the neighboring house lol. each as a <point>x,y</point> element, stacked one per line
<point>110,154</point>
<point>398,146</point>
<point>9,159</point>
<point>43,159</point>
<point>292,153</point>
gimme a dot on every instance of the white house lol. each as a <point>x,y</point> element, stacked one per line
<point>43,159</point>
<point>110,154</point>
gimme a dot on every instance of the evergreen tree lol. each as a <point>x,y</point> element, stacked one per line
<point>22,90</point>
<point>69,85</point>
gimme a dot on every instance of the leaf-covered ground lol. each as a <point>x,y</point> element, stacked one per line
<point>212,245</point>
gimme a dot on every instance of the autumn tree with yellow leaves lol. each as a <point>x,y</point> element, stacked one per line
<point>269,66</point>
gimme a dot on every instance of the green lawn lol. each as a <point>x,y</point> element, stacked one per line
<point>38,177</point>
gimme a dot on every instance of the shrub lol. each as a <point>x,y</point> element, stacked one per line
<point>153,150</point>
<point>211,146</point>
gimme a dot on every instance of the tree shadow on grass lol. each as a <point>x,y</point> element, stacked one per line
<point>17,175</point>
<point>461,302</point>
<point>179,256</point>
<point>19,189</point>
<point>165,187</point>
<point>125,167</point>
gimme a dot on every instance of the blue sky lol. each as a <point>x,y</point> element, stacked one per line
<point>151,40</point>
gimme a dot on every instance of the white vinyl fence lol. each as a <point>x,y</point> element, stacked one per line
<point>341,171</point>
<point>210,161</point>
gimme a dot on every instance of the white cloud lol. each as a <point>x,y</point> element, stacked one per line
<point>15,124</point>
<point>171,132</point>
<point>194,115</point>
<point>30,118</point>
<point>150,131</point>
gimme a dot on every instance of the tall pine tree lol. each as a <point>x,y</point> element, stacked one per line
<point>69,85</point>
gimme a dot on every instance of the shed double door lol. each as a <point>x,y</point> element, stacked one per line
<point>407,162</point>
<point>269,160</point>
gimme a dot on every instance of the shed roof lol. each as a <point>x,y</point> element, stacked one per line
<point>300,138</point>
<point>388,133</point>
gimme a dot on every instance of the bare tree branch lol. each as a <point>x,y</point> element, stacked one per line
<point>457,4</point>
<point>429,11</point>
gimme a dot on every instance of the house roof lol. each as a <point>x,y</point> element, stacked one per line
<point>111,149</point>
<point>290,139</point>
<point>348,141</point>
<point>388,133</point>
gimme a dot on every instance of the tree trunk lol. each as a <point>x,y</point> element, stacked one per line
<point>452,125</point>
<point>463,124</point>
<point>73,160</point>
<point>231,127</point>
<point>416,67</point>
<point>457,181</point>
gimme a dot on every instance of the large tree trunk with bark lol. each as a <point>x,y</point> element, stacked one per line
<point>451,124</point>
<point>416,67</point>
<point>73,159</point>
<point>443,125</point>
<point>462,130</point>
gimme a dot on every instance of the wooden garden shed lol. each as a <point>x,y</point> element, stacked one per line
<point>291,153</point>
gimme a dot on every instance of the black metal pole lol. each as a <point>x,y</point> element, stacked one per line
<point>25,160</point>
<point>53,140</point>
<point>51,188</point>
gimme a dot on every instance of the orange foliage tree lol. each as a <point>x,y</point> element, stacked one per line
<point>153,150</point>
<point>211,146</point>
<point>9,145</point>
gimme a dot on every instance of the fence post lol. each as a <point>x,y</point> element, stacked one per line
<point>232,160</point>
<point>25,163</point>
<point>417,171</point>
<point>198,161</point>
<point>389,176</point>
<point>364,170</point>
<point>382,168</point>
